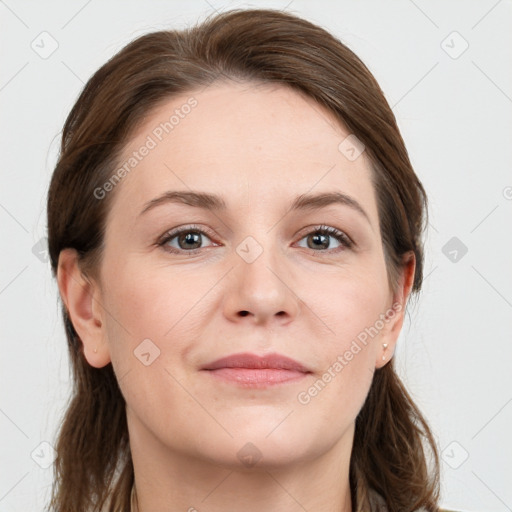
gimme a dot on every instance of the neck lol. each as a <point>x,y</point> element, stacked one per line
<point>167,480</point>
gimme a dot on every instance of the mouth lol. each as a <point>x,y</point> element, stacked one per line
<point>250,370</point>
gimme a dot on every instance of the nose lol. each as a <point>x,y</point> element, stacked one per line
<point>261,292</point>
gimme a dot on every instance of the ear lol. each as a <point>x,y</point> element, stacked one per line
<point>396,312</point>
<point>81,297</point>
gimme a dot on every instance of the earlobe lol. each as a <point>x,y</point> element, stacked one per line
<point>81,299</point>
<point>395,314</point>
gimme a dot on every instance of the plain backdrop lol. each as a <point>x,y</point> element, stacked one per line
<point>445,69</point>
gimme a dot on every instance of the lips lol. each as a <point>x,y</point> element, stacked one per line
<point>253,371</point>
<point>252,361</point>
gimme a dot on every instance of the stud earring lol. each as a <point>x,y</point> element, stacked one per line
<point>96,350</point>
<point>385,345</point>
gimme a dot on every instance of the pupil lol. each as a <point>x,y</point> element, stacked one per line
<point>191,239</point>
<point>319,240</point>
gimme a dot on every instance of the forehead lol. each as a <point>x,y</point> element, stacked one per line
<point>250,143</point>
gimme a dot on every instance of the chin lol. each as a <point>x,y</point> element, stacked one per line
<point>252,450</point>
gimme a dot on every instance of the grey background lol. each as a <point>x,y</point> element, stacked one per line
<point>454,107</point>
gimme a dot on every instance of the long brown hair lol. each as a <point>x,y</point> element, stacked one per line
<point>394,453</point>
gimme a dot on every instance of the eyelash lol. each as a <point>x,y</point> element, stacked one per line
<point>342,238</point>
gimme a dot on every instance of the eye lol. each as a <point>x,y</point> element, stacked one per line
<point>187,239</point>
<point>323,238</point>
<point>191,239</point>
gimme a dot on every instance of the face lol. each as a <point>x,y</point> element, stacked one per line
<point>285,260</point>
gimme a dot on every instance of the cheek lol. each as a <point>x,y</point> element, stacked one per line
<point>349,303</point>
<point>152,303</point>
<point>147,329</point>
<point>352,308</point>
<point>128,319</point>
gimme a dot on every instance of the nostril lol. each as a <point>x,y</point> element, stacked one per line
<point>244,313</point>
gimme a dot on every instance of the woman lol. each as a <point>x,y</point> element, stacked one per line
<point>235,227</point>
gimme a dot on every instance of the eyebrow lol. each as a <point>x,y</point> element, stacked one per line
<point>216,203</point>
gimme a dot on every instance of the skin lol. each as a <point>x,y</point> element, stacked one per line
<point>258,147</point>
